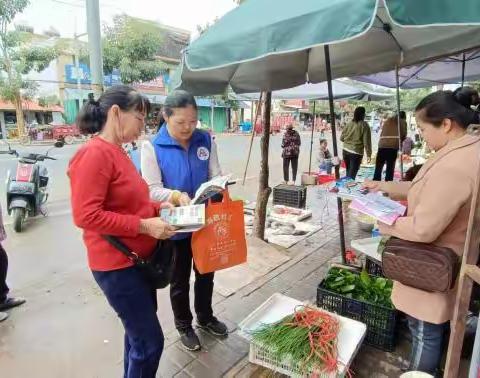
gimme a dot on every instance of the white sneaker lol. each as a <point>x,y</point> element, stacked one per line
<point>291,183</point>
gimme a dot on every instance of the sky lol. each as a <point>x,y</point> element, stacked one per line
<point>64,14</point>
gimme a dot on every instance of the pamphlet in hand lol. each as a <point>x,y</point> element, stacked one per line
<point>185,218</point>
<point>210,188</point>
<point>348,189</point>
<point>379,207</point>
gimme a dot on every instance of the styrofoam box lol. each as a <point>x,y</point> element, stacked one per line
<point>368,246</point>
<point>278,306</point>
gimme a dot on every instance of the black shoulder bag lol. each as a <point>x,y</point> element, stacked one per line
<point>157,269</point>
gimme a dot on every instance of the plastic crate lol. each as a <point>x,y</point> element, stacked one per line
<point>381,321</point>
<point>261,355</point>
<point>290,195</point>
<point>373,268</point>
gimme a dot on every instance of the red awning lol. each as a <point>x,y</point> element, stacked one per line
<point>30,106</point>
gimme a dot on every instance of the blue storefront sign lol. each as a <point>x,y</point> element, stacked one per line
<point>85,76</point>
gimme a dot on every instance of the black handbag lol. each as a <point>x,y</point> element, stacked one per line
<point>157,269</point>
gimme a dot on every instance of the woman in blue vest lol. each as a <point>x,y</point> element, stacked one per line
<point>175,163</point>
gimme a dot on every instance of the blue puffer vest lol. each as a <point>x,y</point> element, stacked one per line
<point>183,170</point>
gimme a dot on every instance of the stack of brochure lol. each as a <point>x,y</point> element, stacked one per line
<point>381,208</point>
<point>185,218</point>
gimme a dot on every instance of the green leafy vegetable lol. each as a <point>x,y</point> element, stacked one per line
<point>363,287</point>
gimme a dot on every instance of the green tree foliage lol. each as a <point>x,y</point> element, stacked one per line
<point>18,58</point>
<point>48,101</point>
<point>409,98</point>
<point>130,45</point>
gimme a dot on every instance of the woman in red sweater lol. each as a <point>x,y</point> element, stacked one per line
<point>109,197</point>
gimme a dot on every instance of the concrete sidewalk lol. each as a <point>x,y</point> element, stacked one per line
<point>298,278</point>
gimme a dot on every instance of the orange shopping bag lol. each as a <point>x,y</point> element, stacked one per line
<point>221,243</point>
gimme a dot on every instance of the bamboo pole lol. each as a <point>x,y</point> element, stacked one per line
<point>254,121</point>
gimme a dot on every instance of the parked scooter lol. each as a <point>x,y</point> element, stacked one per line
<point>27,191</point>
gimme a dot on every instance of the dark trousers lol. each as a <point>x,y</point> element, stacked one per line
<point>3,274</point>
<point>286,166</point>
<point>352,162</point>
<point>427,345</point>
<point>180,288</point>
<point>385,156</point>
<point>135,303</point>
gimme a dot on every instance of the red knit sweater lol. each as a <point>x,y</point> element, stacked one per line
<point>109,197</point>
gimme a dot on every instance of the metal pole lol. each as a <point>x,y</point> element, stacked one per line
<point>399,127</point>
<point>254,121</point>
<point>463,69</point>
<point>311,140</point>
<point>335,149</point>
<point>212,110</point>
<point>95,44</point>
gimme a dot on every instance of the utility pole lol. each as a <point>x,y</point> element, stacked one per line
<point>95,45</point>
<point>77,65</point>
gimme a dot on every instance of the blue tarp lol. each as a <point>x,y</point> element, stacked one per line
<point>446,70</point>
<point>201,101</point>
<point>320,92</point>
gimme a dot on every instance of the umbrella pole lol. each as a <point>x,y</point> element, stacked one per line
<point>463,69</point>
<point>335,148</point>
<point>311,140</point>
<point>254,121</point>
<point>398,122</point>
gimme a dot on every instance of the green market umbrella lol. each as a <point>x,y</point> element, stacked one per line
<point>267,45</point>
<point>275,44</point>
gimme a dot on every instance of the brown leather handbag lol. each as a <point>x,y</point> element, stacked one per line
<point>420,265</point>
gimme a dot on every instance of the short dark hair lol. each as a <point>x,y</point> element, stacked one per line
<point>359,114</point>
<point>323,141</point>
<point>178,99</point>
<point>93,115</point>
<point>442,105</point>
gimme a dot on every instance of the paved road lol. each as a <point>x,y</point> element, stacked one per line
<point>46,235</point>
<point>66,328</point>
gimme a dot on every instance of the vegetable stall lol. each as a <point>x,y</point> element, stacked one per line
<point>253,49</point>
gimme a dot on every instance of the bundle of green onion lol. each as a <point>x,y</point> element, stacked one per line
<point>308,338</point>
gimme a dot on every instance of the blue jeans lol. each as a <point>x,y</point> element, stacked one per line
<point>135,303</point>
<point>326,166</point>
<point>427,345</point>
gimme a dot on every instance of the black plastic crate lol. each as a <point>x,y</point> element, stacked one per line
<point>373,268</point>
<point>290,195</point>
<point>381,321</point>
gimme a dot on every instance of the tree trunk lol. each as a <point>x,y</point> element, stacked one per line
<point>263,188</point>
<point>20,118</point>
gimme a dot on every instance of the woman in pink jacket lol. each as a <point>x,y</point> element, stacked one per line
<point>439,200</point>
